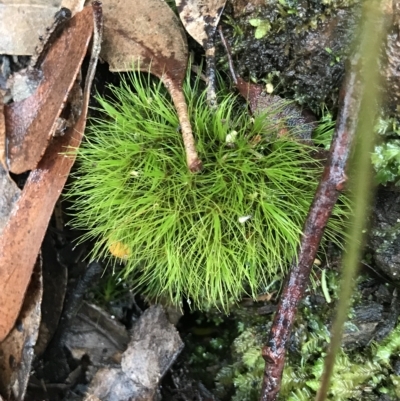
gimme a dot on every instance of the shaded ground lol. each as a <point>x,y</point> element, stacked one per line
<point>304,64</point>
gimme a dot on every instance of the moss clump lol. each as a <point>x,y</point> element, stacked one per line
<point>212,236</point>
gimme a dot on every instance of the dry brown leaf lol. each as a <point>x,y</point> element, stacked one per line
<point>16,350</point>
<point>22,22</point>
<point>32,122</point>
<point>200,18</point>
<point>148,35</point>
<point>93,332</point>
<point>22,236</point>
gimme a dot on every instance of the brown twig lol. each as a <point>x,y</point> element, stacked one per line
<point>331,184</point>
<point>192,158</point>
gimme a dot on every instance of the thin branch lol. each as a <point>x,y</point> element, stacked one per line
<point>376,19</point>
<point>332,183</point>
<point>193,161</point>
<point>211,72</point>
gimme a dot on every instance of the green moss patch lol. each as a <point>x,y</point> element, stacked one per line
<point>209,237</point>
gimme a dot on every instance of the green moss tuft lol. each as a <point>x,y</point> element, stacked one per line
<point>209,237</point>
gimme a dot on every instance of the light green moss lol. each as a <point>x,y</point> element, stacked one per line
<point>210,237</point>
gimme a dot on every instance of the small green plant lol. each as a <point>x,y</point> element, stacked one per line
<point>386,161</point>
<point>262,27</point>
<point>210,237</point>
<point>335,58</point>
<point>237,31</point>
<point>322,135</point>
<point>386,156</point>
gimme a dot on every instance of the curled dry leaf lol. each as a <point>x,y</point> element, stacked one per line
<point>24,231</point>
<point>200,18</point>
<point>32,122</point>
<point>148,35</point>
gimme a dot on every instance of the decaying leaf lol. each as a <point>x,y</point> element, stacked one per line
<point>25,229</point>
<point>17,349</point>
<point>55,278</point>
<point>200,18</point>
<point>147,34</point>
<point>30,123</point>
<point>23,22</point>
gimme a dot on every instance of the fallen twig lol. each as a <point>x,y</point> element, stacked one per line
<point>328,191</point>
<point>377,17</point>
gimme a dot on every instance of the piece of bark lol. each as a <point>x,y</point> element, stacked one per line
<point>154,346</point>
<point>22,236</point>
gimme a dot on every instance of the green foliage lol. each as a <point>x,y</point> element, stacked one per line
<point>212,236</point>
<point>322,135</point>
<point>262,27</point>
<point>386,161</point>
<point>386,157</point>
<point>356,375</point>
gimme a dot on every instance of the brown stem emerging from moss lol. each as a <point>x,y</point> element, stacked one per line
<point>192,158</point>
<point>211,75</point>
